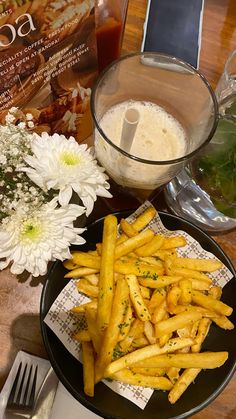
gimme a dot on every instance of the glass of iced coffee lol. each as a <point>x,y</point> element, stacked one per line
<point>171,111</point>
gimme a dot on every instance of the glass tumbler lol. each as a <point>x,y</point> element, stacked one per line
<point>178,90</point>
<point>205,191</point>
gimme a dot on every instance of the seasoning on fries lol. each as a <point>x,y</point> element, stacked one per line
<point>150,309</point>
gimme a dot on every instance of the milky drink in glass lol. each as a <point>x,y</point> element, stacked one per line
<point>158,136</point>
<point>177,116</point>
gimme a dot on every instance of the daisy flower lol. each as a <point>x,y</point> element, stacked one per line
<point>29,239</point>
<point>63,165</point>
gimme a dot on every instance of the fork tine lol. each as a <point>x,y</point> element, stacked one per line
<point>32,393</point>
<point>21,386</point>
<point>19,397</point>
<point>27,387</point>
<point>13,389</point>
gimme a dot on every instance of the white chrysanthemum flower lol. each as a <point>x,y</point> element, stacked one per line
<point>62,164</point>
<point>29,240</point>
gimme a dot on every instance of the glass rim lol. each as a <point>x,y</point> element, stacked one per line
<point>139,159</point>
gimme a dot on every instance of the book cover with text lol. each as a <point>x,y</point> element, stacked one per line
<point>48,63</point>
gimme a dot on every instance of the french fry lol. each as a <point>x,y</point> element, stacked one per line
<point>170,242</point>
<point>160,281</point>
<point>203,329</point>
<point>123,237</point>
<point>91,316</point>
<point>211,303</point>
<point>81,271</point>
<point>160,312</point>
<point>133,243</point>
<point>189,273</point>
<point>88,368</point>
<point>82,336</point>
<point>144,353</point>
<point>215,292</point>
<point>106,277</point>
<point>151,260</point>
<point>137,299</point>
<point>184,350</point>
<point>139,342</point>
<point>70,264</point>
<point>151,247</point>
<point>157,297</point>
<point>186,291</point>
<point>127,322</point>
<point>119,307</point>
<point>164,339</point>
<point>144,219</point>
<point>93,252</point>
<point>85,287</point>
<point>86,259</point>
<point>205,323</point>
<point>127,228</point>
<point>172,373</point>
<point>172,298</point>
<point>223,322</point>
<point>194,329</point>
<point>185,332</point>
<point>206,360</point>
<point>199,285</point>
<point>99,248</point>
<point>205,265</point>
<point>176,322</point>
<point>138,269</point>
<point>203,311</point>
<point>136,330</point>
<point>136,379</point>
<point>149,332</point>
<point>153,311</point>
<point>186,378</point>
<point>164,254</point>
<point>145,292</point>
<point>81,309</point>
<point>92,279</point>
<point>158,372</point>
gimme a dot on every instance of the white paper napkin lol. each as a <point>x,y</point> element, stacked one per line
<point>65,324</point>
<point>66,406</point>
<point>43,367</point>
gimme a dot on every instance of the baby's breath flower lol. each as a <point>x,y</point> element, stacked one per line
<point>30,124</point>
<point>29,117</point>
<point>37,177</point>
<point>10,118</point>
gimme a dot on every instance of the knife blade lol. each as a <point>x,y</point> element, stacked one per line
<point>45,397</point>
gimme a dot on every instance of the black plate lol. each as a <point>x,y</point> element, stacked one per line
<point>108,404</point>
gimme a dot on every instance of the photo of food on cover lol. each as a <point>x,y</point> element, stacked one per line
<point>48,63</point>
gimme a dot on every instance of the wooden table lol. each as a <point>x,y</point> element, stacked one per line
<point>20,296</point>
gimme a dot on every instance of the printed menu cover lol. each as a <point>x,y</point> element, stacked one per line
<point>48,63</point>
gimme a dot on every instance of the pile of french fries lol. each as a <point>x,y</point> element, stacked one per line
<point>149,310</point>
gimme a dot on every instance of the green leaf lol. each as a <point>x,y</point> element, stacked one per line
<point>217,168</point>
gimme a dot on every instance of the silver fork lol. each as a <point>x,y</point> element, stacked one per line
<point>22,395</point>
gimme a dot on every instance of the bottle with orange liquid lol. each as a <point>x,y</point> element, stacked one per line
<point>110,23</point>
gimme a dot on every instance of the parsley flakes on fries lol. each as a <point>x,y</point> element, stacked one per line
<point>150,309</point>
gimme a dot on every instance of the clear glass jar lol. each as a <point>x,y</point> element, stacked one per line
<point>205,191</point>
<point>110,22</point>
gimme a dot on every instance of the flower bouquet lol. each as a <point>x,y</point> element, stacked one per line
<point>38,176</point>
